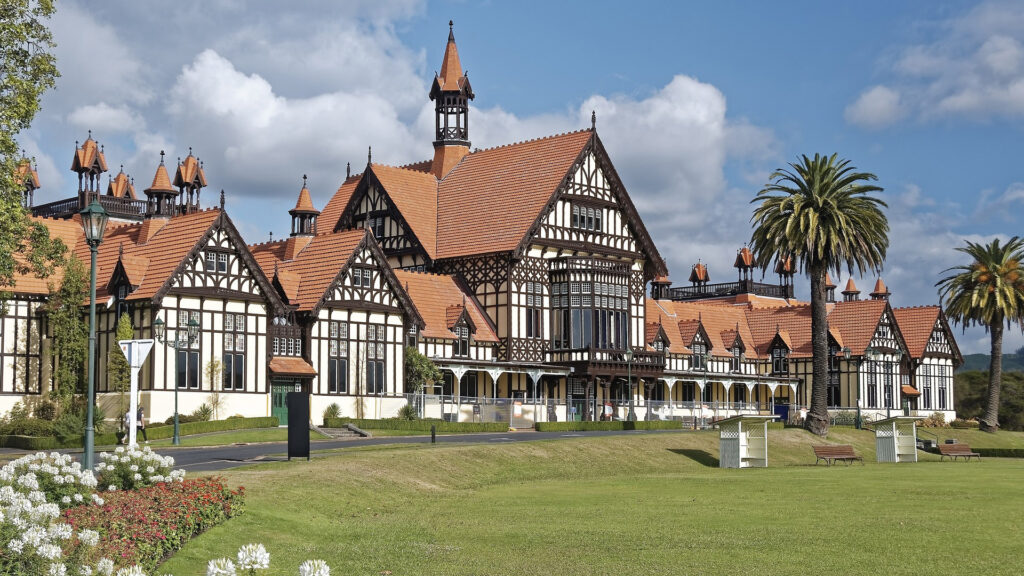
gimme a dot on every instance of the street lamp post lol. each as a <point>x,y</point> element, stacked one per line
<point>94,222</point>
<point>191,334</point>
<point>629,383</point>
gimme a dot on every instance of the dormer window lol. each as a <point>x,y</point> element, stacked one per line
<point>461,347</point>
<point>780,360</point>
<point>735,361</point>
<point>697,360</point>
<point>659,345</point>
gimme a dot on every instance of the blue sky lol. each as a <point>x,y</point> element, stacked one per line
<point>697,103</point>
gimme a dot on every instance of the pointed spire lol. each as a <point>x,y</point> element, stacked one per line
<point>120,250</point>
<point>593,121</point>
<point>369,155</point>
<point>222,199</point>
<point>881,292</point>
<point>348,170</point>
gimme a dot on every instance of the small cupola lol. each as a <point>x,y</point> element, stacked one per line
<point>744,263</point>
<point>850,293</point>
<point>830,289</point>
<point>28,177</point>
<point>699,276</point>
<point>190,180</point>
<point>161,195</point>
<point>89,162</point>
<point>304,214</point>
<point>121,186</point>
<point>881,292</point>
<point>660,288</point>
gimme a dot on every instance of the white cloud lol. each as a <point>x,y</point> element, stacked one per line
<point>972,68</point>
<point>1004,205</point>
<point>876,107</point>
<point>105,118</point>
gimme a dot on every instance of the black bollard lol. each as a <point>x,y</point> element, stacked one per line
<point>433,434</point>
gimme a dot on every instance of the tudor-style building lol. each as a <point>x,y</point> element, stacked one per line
<point>521,270</point>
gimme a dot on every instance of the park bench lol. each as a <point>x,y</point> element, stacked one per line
<point>830,453</point>
<point>955,451</point>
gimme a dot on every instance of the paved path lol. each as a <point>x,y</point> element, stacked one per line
<point>212,458</point>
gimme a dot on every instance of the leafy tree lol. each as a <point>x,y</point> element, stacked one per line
<point>213,371</point>
<point>988,292</point>
<point>820,214</point>
<point>419,370</point>
<point>70,331</point>
<point>971,390</point>
<point>27,69</point>
<point>119,373</point>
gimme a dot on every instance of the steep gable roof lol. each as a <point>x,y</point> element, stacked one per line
<point>720,324</point>
<point>414,194</point>
<point>857,321</point>
<point>437,294</point>
<point>485,184</point>
<point>336,205</point>
<point>916,324</point>
<point>319,264</point>
<point>71,234</point>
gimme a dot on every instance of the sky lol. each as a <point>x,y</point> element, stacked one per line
<point>697,104</point>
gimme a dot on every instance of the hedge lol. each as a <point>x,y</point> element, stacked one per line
<point>155,432</point>
<point>613,425</point>
<point>29,442</point>
<point>1000,452</point>
<point>416,425</point>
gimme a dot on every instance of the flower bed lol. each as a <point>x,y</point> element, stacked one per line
<point>144,526</point>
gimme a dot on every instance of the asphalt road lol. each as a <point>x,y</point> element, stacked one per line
<point>213,458</point>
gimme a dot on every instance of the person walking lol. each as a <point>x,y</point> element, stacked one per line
<point>140,425</point>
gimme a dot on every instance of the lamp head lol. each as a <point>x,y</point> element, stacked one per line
<point>193,330</point>
<point>629,354</point>
<point>158,329</point>
<point>94,222</point>
<point>847,352</point>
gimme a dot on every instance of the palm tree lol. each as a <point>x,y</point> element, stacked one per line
<point>820,214</point>
<point>988,292</point>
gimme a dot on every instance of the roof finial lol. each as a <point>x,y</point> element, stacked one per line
<point>222,199</point>
<point>122,168</point>
<point>348,170</point>
<point>593,120</point>
<point>90,134</point>
<point>189,150</point>
<point>120,250</point>
<point>369,155</point>
<point>161,157</point>
<point>303,180</point>
<point>271,236</point>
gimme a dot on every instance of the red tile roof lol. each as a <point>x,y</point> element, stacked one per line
<point>451,77</point>
<point>68,231</point>
<point>857,322</point>
<point>720,323</point>
<point>26,172</point>
<point>435,295</point>
<point>699,273</point>
<point>87,155</point>
<point>414,194</point>
<point>744,258</point>
<point>161,181</point>
<point>190,171</point>
<point>336,206</point>
<point>916,324</point>
<point>318,264</point>
<point>481,185</point>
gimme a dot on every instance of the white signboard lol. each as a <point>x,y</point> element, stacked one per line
<point>136,352</point>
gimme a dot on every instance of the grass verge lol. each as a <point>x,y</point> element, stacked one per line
<point>634,504</point>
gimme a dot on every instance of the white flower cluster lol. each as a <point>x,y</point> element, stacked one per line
<point>33,538</point>
<point>56,475</point>
<point>314,568</point>
<point>134,467</point>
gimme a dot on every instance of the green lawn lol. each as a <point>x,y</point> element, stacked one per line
<point>248,436</point>
<point>634,504</point>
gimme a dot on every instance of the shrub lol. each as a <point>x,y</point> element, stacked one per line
<point>46,409</point>
<point>129,468</point>
<point>68,428</point>
<point>144,526</point>
<point>844,418</point>
<point>936,420</point>
<point>203,414</point>
<point>408,412</point>
<point>56,475</point>
<point>614,425</point>
<point>332,411</point>
<point>27,427</point>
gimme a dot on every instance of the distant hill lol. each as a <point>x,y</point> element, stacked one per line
<point>1011,362</point>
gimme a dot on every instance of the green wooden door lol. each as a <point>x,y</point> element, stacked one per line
<point>278,402</point>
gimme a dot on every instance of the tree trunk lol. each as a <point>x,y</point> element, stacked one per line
<point>817,416</point>
<point>990,421</point>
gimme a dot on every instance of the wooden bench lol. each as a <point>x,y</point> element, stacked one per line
<point>830,453</point>
<point>955,451</point>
